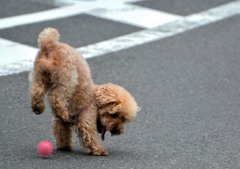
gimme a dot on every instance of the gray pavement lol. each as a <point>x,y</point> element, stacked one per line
<point>187,86</point>
<point>16,7</point>
<point>183,7</point>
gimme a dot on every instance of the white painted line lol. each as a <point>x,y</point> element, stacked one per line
<point>14,52</point>
<point>16,67</point>
<point>105,2</point>
<point>77,7</point>
<point>138,38</point>
<point>119,43</point>
<point>15,57</point>
<point>42,16</point>
<point>133,15</point>
<point>161,32</point>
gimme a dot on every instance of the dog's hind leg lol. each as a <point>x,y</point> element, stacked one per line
<point>87,132</point>
<point>59,103</point>
<point>63,134</point>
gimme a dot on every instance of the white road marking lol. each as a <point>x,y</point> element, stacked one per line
<point>161,32</point>
<point>15,52</point>
<point>132,14</point>
<point>114,10</point>
<point>42,16</point>
<point>15,57</point>
<point>134,39</point>
<point>72,2</point>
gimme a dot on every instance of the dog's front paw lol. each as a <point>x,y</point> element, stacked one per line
<point>38,108</point>
<point>64,148</point>
<point>99,151</point>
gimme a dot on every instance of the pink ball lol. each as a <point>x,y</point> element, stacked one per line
<point>44,148</point>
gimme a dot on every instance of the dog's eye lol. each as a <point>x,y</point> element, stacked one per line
<point>114,115</point>
<point>123,119</point>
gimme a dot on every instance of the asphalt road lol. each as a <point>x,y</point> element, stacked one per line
<point>188,87</point>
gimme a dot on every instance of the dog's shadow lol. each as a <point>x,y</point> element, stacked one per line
<point>79,154</point>
<point>113,153</point>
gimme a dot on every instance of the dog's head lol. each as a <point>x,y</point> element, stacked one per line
<point>116,106</point>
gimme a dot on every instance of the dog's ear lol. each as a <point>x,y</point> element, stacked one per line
<point>104,96</point>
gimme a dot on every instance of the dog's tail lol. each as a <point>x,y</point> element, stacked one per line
<point>48,38</point>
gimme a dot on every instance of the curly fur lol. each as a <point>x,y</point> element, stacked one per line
<point>116,106</point>
<point>62,73</point>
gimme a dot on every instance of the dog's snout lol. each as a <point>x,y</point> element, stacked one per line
<point>116,131</point>
<point>37,110</point>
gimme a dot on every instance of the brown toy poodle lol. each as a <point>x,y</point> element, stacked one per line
<point>62,73</point>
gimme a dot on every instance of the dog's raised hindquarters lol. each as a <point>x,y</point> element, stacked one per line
<point>62,73</point>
